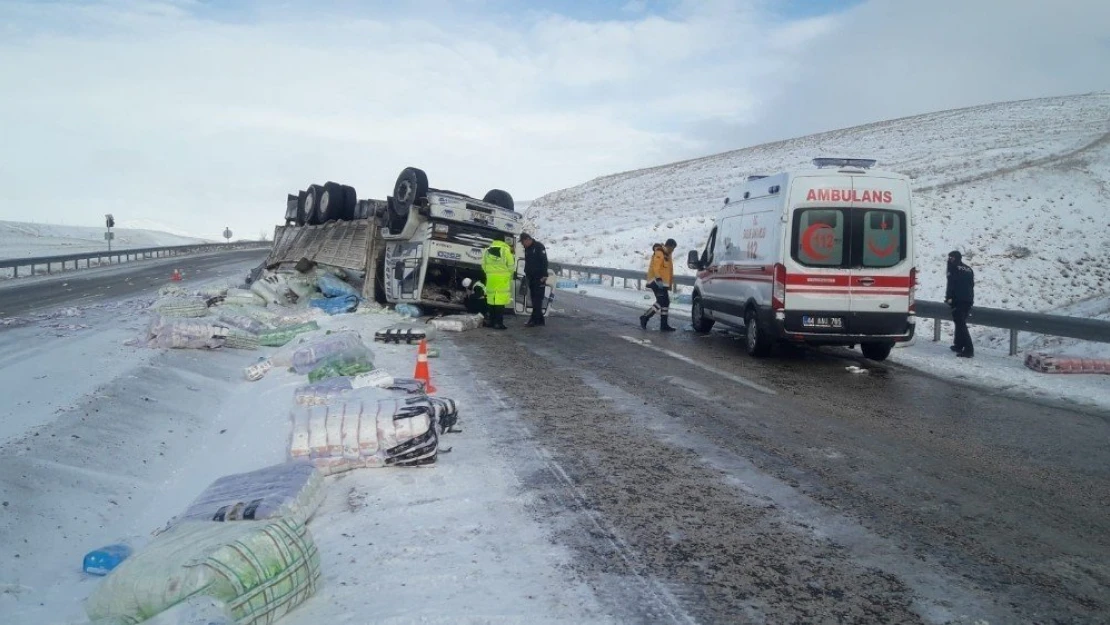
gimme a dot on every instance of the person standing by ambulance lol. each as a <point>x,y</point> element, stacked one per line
<point>535,273</point>
<point>660,280</point>
<point>960,295</point>
<point>497,263</point>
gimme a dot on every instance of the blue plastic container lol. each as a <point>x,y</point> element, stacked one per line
<point>102,561</point>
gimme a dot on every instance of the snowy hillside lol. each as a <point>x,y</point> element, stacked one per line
<point>1023,188</point>
<point>20,240</point>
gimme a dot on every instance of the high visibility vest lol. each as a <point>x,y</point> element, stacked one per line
<point>499,273</point>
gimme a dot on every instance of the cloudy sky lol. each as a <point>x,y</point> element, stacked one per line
<point>203,113</point>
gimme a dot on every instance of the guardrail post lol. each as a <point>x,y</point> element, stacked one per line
<point>936,330</point>
<point>1013,342</point>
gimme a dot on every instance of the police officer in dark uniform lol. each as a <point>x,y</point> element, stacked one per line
<point>535,272</point>
<point>960,295</point>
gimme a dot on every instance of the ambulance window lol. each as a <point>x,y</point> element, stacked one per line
<point>707,254</point>
<point>730,235</point>
<point>818,237</point>
<point>884,238</point>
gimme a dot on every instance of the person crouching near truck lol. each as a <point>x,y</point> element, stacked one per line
<point>476,299</point>
<point>660,280</point>
<point>498,264</point>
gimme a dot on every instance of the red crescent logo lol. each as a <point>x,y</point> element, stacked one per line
<point>807,241</point>
<point>881,252</point>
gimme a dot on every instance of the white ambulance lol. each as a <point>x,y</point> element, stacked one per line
<point>823,256</point>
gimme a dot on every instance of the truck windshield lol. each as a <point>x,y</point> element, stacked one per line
<point>848,237</point>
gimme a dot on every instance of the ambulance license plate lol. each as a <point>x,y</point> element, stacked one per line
<point>822,322</point>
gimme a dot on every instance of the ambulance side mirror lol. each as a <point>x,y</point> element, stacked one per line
<point>693,260</point>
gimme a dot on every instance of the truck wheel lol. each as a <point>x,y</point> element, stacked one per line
<point>331,202</point>
<point>758,343</point>
<point>876,351</point>
<point>701,323</point>
<point>500,198</point>
<point>411,186</point>
<point>312,204</point>
<point>350,203</point>
<point>300,207</point>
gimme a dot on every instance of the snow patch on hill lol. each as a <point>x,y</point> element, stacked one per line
<point>1022,188</point>
<point>22,240</point>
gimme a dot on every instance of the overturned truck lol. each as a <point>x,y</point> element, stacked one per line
<point>415,247</point>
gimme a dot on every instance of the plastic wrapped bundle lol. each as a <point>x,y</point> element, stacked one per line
<point>332,286</point>
<point>300,316</point>
<point>335,305</point>
<point>294,490</point>
<point>339,388</point>
<point>307,356</point>
<point>184,334</point>
<point>234,319</point>
<point>260,569</point>
<point>457,323</point>
<point>238,339</point>
<point>284,356</point>
<point>349,362</point>
<point>258,313</point>
<point>272,288</point>
<point>358,433</point>
<point>258,370</point>
<point>243,297</point>
<point>196,610</point>
<point>184,307</point>
<point>281,336</point>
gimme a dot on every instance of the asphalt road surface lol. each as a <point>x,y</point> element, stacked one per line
<point>83,287</point>
<point>697,484</point>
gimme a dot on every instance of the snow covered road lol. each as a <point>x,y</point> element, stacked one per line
<point>808,493</point>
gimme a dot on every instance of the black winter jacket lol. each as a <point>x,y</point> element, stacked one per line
<point>961,284</point>
<point>535,261</point>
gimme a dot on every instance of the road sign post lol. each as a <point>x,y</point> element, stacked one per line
<point>109,221</point>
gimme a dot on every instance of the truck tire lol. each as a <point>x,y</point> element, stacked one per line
<point>350,203</point>
<point>411,186</point>
<point>331,202</point>
<point>757,343</point>
<point>500,198</point>
<point>701,323</point>
<point>312,204</point>
<point>876,351</point>
<point>301,195</point>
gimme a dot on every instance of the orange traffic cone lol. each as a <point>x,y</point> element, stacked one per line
<point>176,276</point>
<point>422,373</point>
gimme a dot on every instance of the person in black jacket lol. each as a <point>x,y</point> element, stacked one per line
<point>960,295</point>
<point>535,272</point>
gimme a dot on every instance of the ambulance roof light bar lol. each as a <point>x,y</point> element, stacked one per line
<point>862,163</point>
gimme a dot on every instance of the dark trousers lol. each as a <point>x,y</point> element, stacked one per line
<point>496,315</point>
<point>960,312</point>
<point>537,291</point>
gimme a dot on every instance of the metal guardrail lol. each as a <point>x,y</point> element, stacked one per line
<point>124,255</point>
<point>1013,320</point>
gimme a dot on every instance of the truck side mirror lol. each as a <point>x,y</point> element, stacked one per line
<point>399,271</point>
<point>693,260</point>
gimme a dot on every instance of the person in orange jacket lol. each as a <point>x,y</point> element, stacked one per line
<point>660,280</point>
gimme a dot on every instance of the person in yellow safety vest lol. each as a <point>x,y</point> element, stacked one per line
<point>498,264</point>
<point>660,280</point>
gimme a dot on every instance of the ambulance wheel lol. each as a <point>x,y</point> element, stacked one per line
<point>411,186</point>
<point>700,322</point>
<point>876,351</point>
<point>757,342</point>
<point>497,197</point>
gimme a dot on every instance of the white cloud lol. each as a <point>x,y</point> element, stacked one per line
<point>165,109</point>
